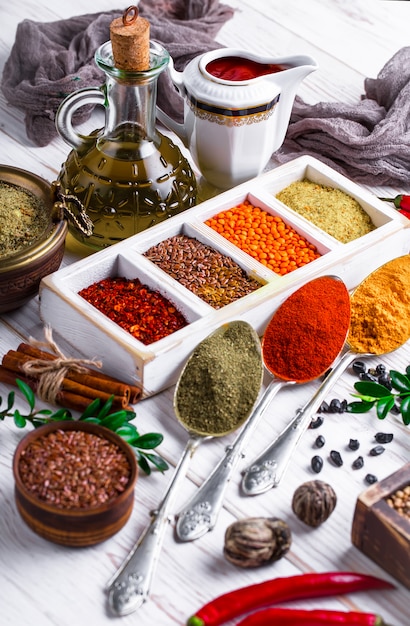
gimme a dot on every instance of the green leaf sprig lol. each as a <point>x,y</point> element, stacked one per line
<point>96,412</point>
<point>374,394</point>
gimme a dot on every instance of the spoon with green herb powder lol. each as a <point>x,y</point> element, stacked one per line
<point>215,394</point>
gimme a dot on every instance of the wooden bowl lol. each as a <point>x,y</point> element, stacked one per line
<point>21,273</point>
<point>84,524</point>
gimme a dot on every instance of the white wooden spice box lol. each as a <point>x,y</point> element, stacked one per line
<point>157,366</point>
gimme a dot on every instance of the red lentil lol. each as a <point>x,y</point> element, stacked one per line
<point>74,469</point>
<point>265,237</point>
<point>136,308</point>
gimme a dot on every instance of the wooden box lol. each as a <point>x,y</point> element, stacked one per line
<point>157,366</point>
<point>379,531</point>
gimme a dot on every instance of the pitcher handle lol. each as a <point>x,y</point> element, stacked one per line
<point>66,110</point>
<point>178,81</point>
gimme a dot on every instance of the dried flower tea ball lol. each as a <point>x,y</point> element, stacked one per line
<point>256,541</point>
<point>313,502</point>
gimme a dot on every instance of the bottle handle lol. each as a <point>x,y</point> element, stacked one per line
<point>66,110</point>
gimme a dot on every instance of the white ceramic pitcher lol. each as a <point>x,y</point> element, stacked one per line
<point>232,127</point>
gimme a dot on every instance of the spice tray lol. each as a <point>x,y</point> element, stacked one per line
<point>380,531</point>
<point>157,366</point>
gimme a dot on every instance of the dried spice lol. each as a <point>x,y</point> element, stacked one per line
<point>23,219</point>
<point>265,237</point>
<point>221,381</point>
<point>212,276</point>
<point>313,502</point>
<point>380,309</point>
<point>308,331</point>
<point>256,541</point>
<point>334,211</point>
<point>141,311</point>
<point>74,469</point>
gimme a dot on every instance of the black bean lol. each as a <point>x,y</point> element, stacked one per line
<point>384,437</point>
<point>354,444</point>
<point>336,458</point>
<point>358,463</point>
<point>368,377</point>
<point>316,464</point>
<point>385,380</point>
<point>395,409</point>
<point>315,423</point>
<point>377,451</point>
<point>334,406</point>
<point>370,479</point>
<point>380,369</point>
<point>324,407</point>
<point>359,367</point>
<point>320,441</point>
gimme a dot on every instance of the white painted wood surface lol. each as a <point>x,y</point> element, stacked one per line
<point>48,585</point>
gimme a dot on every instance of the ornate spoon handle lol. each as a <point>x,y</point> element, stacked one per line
<point>201,512</point>
<point>130,586</point>
<point>267,470</point>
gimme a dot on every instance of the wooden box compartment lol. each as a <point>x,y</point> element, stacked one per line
<point>157,366</point>
<point>379,531</point>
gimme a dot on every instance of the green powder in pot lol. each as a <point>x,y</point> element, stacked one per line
<point>23,219</point>
<point>330,209</point>
<point>221,381</point>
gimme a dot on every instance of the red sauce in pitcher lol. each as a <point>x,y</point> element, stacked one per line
<point>239,69</point>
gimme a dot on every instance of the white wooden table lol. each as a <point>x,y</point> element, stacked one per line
<point>45,584</point>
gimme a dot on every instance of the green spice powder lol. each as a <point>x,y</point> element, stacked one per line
<point>221,381</point>
<point>23,219</point>
<point>330,209</point>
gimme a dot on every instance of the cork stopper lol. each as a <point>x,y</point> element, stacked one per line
<point>129,36</point>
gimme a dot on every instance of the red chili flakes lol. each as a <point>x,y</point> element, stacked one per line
<point>141,311</point>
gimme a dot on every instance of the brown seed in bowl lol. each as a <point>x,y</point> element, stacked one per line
<point>74,469</point>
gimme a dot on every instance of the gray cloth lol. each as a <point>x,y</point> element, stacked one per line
<point>370,141</point>
<point>50,60</point>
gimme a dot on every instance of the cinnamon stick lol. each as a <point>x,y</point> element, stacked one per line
<point>64,398</point>
<point>95,378</point>
<point>14,361</point>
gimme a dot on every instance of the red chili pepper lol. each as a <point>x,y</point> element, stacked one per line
<point>302,617</point>
<point>313,585</point>
<point>402,204</point>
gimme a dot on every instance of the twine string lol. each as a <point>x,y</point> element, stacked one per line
<point>51,374</point>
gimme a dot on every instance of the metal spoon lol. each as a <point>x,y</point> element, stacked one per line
<point>130,586</point>
<point>200,513</point>
<point>267,470</point>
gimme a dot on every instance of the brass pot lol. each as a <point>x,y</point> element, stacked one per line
<point>21,273</point>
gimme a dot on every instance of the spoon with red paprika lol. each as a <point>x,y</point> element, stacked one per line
<point>300,343</point>
<point>384,289</point>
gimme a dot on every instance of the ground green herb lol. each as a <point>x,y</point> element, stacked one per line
<point>23,218</point>
<point>221,382</point>
<point>330,209</point>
